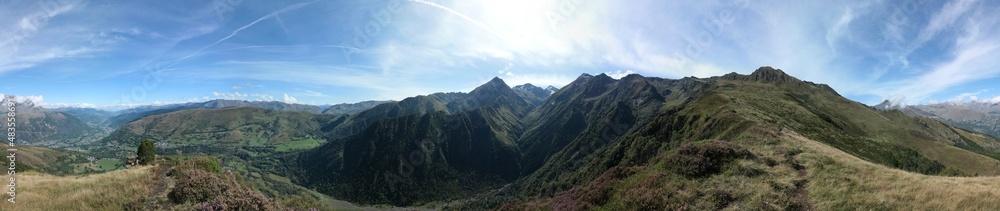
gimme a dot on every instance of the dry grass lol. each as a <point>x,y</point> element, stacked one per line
<point>115,190</point>
<point>841,181</point>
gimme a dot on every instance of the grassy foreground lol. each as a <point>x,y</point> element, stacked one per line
<point>108,191</point>
<point>839,180</point>
<point>786,172</point>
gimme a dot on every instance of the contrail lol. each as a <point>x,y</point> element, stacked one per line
<point>449,10</point>
<point>282,46</point>
<point>237,31</point>
<point>282,22</point>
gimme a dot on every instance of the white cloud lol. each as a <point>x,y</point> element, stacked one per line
<point>69,105</point>
<point>36,100</point>
<point>506,70</point>
<point>896,101</point>
<point>969,95</point>
<point>263,97</point>
<point>289,99</point>
<point>619,74</point>
<point>587,34</point>
<point>230,96</point>
<point>993,100</point>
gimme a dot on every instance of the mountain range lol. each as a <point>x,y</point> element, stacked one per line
<point>981,117</point>
<point>599,142</point>
<point>446,146</point>
<point>44,127</point>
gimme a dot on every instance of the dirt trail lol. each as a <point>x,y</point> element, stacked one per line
<point>157,198</point>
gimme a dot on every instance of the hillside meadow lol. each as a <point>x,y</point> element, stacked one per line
<point>115,190</point>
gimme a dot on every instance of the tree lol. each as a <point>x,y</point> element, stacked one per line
<point>147,152</point>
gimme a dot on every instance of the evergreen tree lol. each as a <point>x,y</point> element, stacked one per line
<point>147,152</point>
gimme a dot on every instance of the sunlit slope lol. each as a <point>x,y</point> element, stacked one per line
<point>885,137</point>
<point>115,190</point>
<point>842,181</point>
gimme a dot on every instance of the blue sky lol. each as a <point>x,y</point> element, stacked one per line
<point>115,53</point>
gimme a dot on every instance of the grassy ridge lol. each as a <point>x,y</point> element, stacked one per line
<point>842,181</point>
<point>785,171</point>
<point>884,137</point>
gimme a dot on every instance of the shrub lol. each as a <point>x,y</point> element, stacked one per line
<point>698,160</point>
<point>146,152</point>
<point>181,165</point>
<point>238,197</point>
<point>211,191</point>
<point>196,185</point>
<point>208,164</point>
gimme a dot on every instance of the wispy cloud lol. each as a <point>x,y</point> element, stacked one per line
<point>23,48</point>
<point>238,30</point>
<point>314,93</point>
<point>945,18</point>
<point>972,58</point>
<point>459,14</point>
<point>910,51</point>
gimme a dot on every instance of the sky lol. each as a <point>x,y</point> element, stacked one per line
<point>123,53</point>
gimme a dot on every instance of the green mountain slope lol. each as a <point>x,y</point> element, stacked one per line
<point>352,108</point>
<point>461,148</point>
<point>40,126</point>
<point>128,115</point>
<point>229,126</point>
<point>597,125</point>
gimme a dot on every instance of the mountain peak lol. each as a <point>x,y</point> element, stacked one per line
<point>768,69</point>
<point>764,74</point>
<point>633,77</point>
<point>768,74</point>
<point>885,105</point>
<point>527,86</point>
<point>551,89</point>
<point>604,78</point>
<point>493,86</point>
<point>531,93</point>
